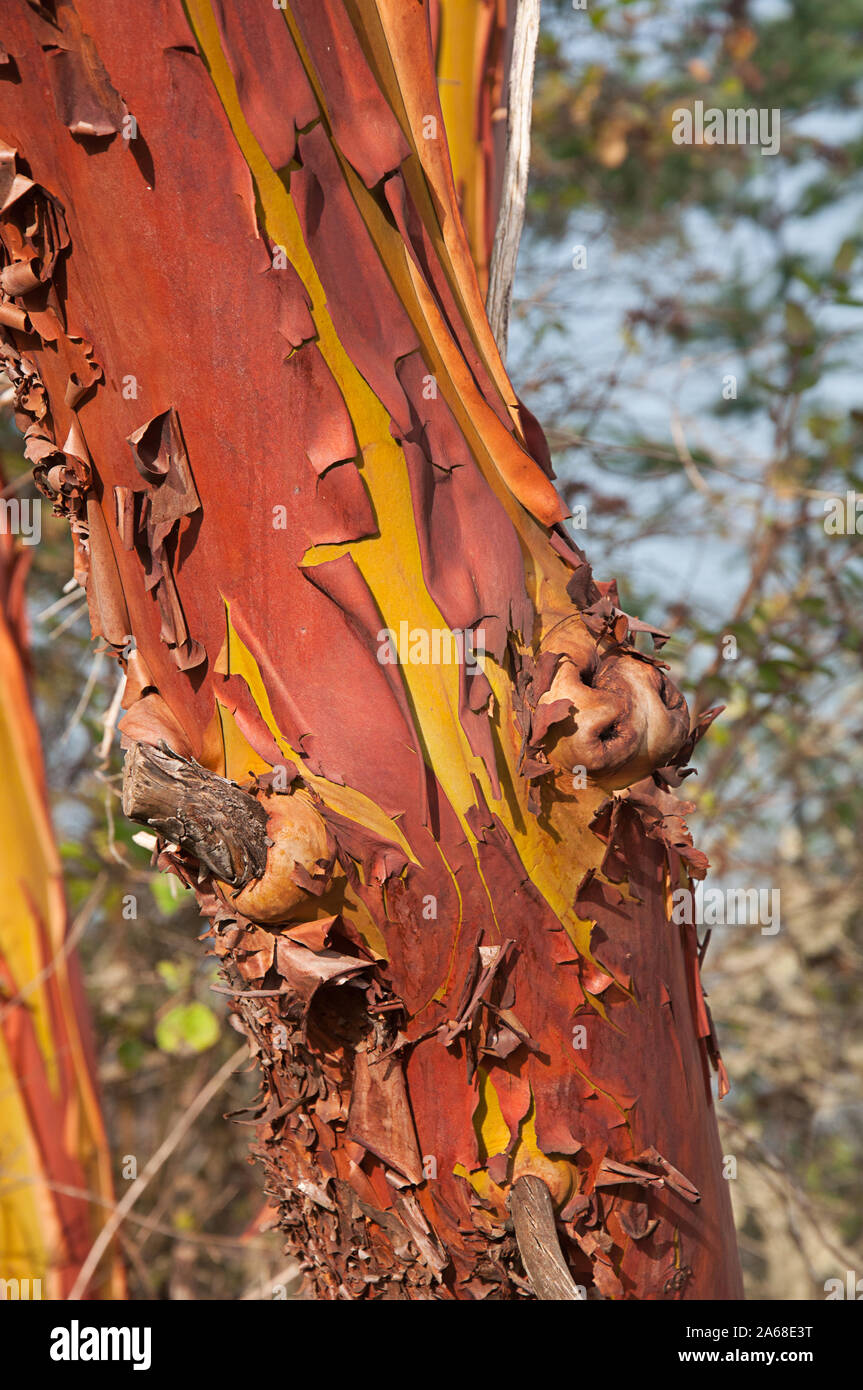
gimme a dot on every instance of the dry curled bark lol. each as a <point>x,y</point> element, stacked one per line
<point>253,368</point>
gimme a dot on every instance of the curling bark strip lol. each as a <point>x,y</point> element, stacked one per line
<point>472,43</point>
<point>288,432</point>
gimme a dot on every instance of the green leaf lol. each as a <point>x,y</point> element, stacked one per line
<point>130,1054</point>
<point>845,256</point>
<point>800,272</point>
<point>166,891</point>
<point>187,1028</point>
<point>174,974</point>
<point>798,324</point>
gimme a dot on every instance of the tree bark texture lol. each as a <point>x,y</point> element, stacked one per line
<point>320,532</point>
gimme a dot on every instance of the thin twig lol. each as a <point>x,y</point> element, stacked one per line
<point>112,839</point>
<point>110,720</point>
<point>16,484</point>
<point>158,1159</point>
<point>81,707</point>
<point>68,622</point>
<point>685,456</point>
<point>247,993</point>
<point>774,1164</point>
<point>72,596</point>
<point>147,1223</point>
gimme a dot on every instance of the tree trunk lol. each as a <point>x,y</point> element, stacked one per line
<point>319,531</point>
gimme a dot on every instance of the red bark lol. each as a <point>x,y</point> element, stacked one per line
<point>324,445</point>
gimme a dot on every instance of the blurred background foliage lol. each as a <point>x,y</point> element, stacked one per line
<point>699,383</point>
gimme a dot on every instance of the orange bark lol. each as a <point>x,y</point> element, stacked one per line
<point>333,534</point>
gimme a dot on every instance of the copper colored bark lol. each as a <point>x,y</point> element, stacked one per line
<point>339,552</point>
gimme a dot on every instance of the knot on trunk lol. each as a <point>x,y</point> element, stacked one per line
<point>619,717</point>
<point>210,818</point>
<point>273,853</point>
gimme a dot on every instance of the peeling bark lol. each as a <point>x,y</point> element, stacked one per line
<point>335,571</point>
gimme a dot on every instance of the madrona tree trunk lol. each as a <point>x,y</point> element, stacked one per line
<point>319,531</point>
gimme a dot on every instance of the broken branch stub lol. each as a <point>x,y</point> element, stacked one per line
<point>538,1242</point>
<point>209,817</point>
